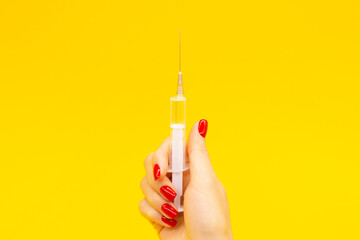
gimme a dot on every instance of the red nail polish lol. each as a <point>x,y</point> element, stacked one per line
<point>156,172</point>
<point>171,222</point>
<point>203,125</point>
<point>168,192</point>
<point>169,210</point>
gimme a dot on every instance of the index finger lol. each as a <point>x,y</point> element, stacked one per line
<point>160,160</point>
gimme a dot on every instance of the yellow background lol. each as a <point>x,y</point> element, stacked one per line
<point>84,97</point>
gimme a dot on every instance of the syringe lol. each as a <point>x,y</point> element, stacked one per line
<point>177,164</point>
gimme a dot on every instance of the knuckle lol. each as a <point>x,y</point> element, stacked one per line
<point>157,156</point>
<point>201,148</point>
<point>148,159</point>
<point>146,210</point>
<point>142,205</point>
<point>143,182</point>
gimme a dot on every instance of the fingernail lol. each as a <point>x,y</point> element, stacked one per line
<point>203,125</point>
<point>168,192</point>
<point>156,172</point>
<point>171,222</point>
<point>169,210</point>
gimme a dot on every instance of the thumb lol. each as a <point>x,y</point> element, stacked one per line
<point>200,163</point>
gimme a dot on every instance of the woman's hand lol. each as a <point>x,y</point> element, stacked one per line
<point>206,211</point>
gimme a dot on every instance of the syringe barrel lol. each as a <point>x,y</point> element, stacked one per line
<point>177,132</point>
<point>177,153</point>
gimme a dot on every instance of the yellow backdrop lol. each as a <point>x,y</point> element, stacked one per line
<point>84,97</point>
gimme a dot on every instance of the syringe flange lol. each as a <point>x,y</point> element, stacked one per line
<point>187,167</point>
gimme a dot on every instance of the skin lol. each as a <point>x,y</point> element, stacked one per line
<point>206,211</point>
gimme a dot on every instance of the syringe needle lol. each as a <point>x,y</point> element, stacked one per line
<point>179,50</point>
<point>180,89</point>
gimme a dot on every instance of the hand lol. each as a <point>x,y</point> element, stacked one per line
<point>206,211</point>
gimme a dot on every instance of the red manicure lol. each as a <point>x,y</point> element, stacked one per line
<point>169,210</point>
<point>168,192</point>
<point>171,222</point>
<point>156,172</point>
<point>203,125</point>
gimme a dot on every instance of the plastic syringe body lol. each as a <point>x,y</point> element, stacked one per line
<point>177,164</point>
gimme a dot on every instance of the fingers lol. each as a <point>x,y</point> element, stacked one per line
<point>161,185</point>
<point>161,160</point>
<point>200,163</point>
<point>158,189</point>
<point>166,208</point>
<point>148,212</point>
